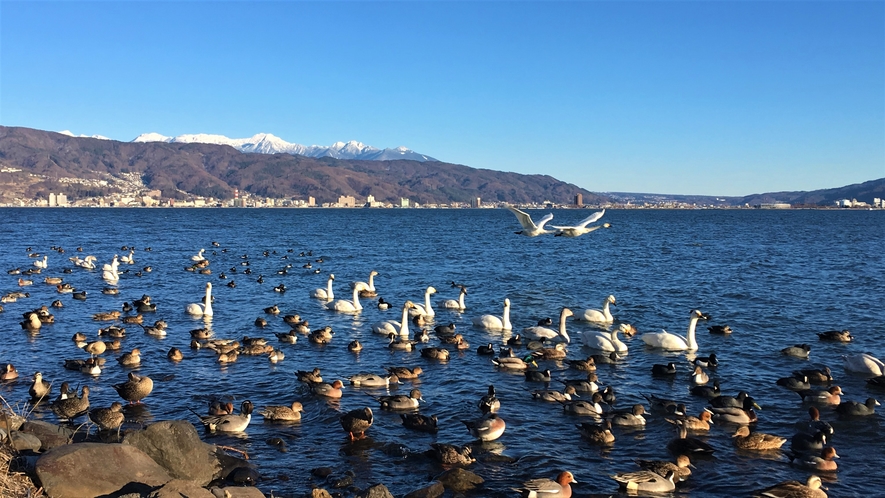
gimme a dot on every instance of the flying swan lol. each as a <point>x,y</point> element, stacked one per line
<point>581,228</point>
<point>529,229</point>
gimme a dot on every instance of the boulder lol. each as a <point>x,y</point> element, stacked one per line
<point>50,435</point>
<point>459,480</point>
<point>176,446</point>
<point>96,469</point>
<point>237,492</point>
<point>375,491</point>
<point>435,490</point>
<point>319,493</point>
<point>178,488</point>
<point>22,441</point>
<point>10,421</point>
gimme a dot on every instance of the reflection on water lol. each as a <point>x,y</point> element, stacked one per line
<point>776,278</point>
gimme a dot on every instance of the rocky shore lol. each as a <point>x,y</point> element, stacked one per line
<point>164,460</point>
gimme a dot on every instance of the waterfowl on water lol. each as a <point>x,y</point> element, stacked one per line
<point>283,413</point>
<point>756,441</point>
<point>836,336</point>
<point>831,396</point>
<point>449,454</point>
<point>682,467</point>
<point>356,422</point>
<point>646,481</point>
<point>822,463</point>
<point>560,335</point>
<point>490,402</point>
<point>798,351</point>
<point>71,407</point>
<point>229,422</point>
<point>492,322</point>
<point>418,422</point>
<point>332,390</point>
<point>856,409</point>
<point>599,316</point>
<point>672,342</point>
<point>9,373</point>
<point>684,445</point>
<point>136,388</point>
<point>548,488</point>
<point>309,376</point>
<point>794,489</point>
<point>600,434</point>
<point>39,388</point>
<point>397,402</point>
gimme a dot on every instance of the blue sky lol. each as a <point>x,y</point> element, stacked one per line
<point>717,98</point>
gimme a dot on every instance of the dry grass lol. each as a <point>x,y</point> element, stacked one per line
<point>14,484</point>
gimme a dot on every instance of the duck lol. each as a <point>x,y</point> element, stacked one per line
<point>449,454</point>
<point>538,375</point>
<point>95,348</point>
<point>400,402</point>
<point>587,365</point>
<point>548,488</point>
<point>405,372</point>
<point>325,390</point>
<point>229,422</point>
<point>326,293</point>
<point>372,380</point>
<point>344,306</point>
<point>720,329</point>
<point>600,434</point>
<point>427,309</point>
<point>738,401</point>
<point>605,341</point>
<point>632,418</point>
<point>175,354</point>
<point>492,322</point>
<point>684,445</point>
<point>586,385</point>
<point>667,370</point>
<point>354,346</point>
<point>456,304</point>
<point>529,228</point>
<point>606,359</point>
<point>794,489</point>
<point>130,359</point>
<point>388,327</point>
<point>682,467</point>
<point>864,363</point>
<point>743,439</point>
<point>856,409</point>
<point>672,342</point>
<point>107,419</point>
<point>275,355</point>
<point>290,413</point>
<point>513,362</point>
<point>600,316</point>
<point>272,310</point>
<point>831,396</point>
<point>581,228</point>
<point>288,337</point>
<point>815,375</point>
<point>557,352</point>
<point>590,408</point>
<point>9,373</point>
<point>794,384</point>
<point>321,336</point>
<point>369,287</point>
<point>701,423</point>
<point>39,388</point>
<point>356,422</point>
<point>706,361</point>
<point>798,351</point>
<point>732,415</point>
<point>836,336</point>
<point>382,304</point>
<point>309,376</point>
<point>398,343</point>
<point>699,377</point>
<point>538,332</point>
<point>803,443</point>
<point>422,423</point>
<point>822,463</point>
<point>71,407</point>
<point>434,353</point>
<point>135,389</point>
<point>204,308</point>
<point>31,322</point>
<point>646,481</point>
<point>555,396</point>
<point>815,424</point>
<point>489,403</point>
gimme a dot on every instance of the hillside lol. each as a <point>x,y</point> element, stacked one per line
<point>178,169</point>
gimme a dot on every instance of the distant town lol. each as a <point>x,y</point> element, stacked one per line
<point>133,193</point>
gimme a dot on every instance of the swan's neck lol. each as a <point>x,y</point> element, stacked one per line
<point>207,310</point>
<point>562,331</point>
<point>356,298</point>
<point>605,311</point>
<point>404,325</point>
<point>506,317</point>
<point>692,324</point>
<point>371,283</point>
<point>427,309</point>
<point>461,300</point>
<point>329,294</point>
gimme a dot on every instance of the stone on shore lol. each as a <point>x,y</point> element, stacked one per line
<point>459,480</point>
<point>96,469</point>
<point>50,435</point>
<point>375,491</point>
<point>319,493</point>
<point>177,488</point>
<point>434,490</point>
<point>236,492</point>
<point>23,441</point>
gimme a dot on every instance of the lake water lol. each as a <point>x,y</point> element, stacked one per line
<point>776,277</point>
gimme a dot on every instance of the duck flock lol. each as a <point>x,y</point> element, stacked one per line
<point>342,356</point>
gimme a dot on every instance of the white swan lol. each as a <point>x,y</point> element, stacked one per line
<point>369,290</point>
<point>604,316</point>
<point>344,306</point>
<point>529,228</point>
<point>493,322</point>
<point>88,262</point>
<point>864,363</point>
<point>202,309</point>
<point>673,342</point>
<point>109,271</point>
<point>325,293</point>
<point>538,332</point>
<point>128,259</point>
<point>42,264</point>
<point>605,341</point>
<point>198,256</point>
<point>425,310</point>
<point>456,304</point>
<point>581,228</point>
<point>388,327</point>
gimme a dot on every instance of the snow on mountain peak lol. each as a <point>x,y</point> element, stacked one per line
<point>151,137</point>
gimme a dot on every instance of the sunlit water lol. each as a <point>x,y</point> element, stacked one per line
<point>776,277</point>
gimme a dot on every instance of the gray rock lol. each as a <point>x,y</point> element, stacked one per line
<point>459,480</point>
<point>10,421</point>
<point>376,491</point>
<point>342,482</point>
<point>178,488</point>
<point>236,492</point>
<point>23,441</point>
<point>435,490</point>
<point>176,446</point>
<point>322,472</point>
<point>96,469</point>
<point>50,435</point>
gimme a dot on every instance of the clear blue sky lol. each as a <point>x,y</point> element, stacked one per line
<point>718,98</point>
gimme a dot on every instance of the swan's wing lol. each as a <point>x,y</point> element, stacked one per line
<point>524,218</point>
<point>590,219</point>
<point>544,220</point>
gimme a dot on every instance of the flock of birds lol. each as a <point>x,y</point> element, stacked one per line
<point>519,350</point>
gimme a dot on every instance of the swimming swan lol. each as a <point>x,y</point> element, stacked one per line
<point>128,259</point>
<point>344,306</point>
<point>539,332</point>
<point>42,264</point>
<point>198,256</point>
<point>529,229</point>
<point>202,309</point>
<point>388,327</point>
<point>369,290</point>
<point>325,293</point>
<point>109,271</point>
<point>864,363</point>
<point>604,316</point>
<point>605,341</point>
<point>456,304</point>
<point>492,322</point>
<point>673,342</point>
<point>425,310</point>
<point>581,228</point>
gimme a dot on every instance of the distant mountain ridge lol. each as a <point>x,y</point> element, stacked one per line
<point>266,143</point>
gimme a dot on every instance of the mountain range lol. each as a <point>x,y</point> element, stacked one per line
<point>265,143</point>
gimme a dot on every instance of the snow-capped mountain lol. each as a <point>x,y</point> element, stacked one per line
<point>70,134</point>
<point>265,143</point>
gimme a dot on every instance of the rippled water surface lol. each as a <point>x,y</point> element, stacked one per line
<point>776,277</point>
